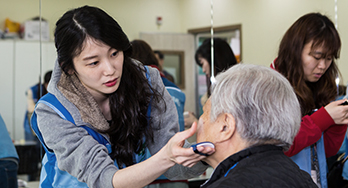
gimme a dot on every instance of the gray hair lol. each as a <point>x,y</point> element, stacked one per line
<point>261,100</point>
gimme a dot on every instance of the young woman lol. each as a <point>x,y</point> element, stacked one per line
<point>107,96</point>
<point>223,59</point>
<point>306,57</point>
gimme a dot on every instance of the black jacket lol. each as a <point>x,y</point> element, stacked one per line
<point>259,166</point>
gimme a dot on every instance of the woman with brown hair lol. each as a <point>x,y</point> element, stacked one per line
<point>306,57</point>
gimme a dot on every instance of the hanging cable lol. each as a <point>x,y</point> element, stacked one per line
<point>40,80</point>
<point>337,80</point>
<point>40,43</point>
<point>336,16</point>
<point>212,77</point>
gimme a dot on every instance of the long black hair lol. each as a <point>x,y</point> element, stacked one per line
<point>224,57</point>
<point>129,103</point>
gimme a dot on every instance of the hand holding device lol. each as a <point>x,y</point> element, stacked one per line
<point>345,102</point>
<point>204,144</point>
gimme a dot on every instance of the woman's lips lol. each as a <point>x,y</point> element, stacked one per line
<point>318,75</point>
<point>111,83</point>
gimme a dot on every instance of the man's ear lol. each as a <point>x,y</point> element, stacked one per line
<point>227,126</point>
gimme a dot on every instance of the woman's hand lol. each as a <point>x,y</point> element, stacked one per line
<point>338,112</point>
<point>189,119</point>
<point>173,152</point>
<point>185,156</point>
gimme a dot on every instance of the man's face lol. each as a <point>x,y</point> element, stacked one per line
<point>206,130</point>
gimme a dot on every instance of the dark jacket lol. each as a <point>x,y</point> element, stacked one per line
<point>259,166</point>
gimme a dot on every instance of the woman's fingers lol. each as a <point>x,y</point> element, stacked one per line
<point>338,112</point>
<point>189,161</point>
<point>186,156</point>
<point>182,136</point>
<point>206,150</point>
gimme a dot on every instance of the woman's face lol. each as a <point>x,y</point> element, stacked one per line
<point>205,66</point>
<point>314,62</point>
<point>99,68</point>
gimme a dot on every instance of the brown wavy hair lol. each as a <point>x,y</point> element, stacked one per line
<point>143,52</point>
<point>319,29</point>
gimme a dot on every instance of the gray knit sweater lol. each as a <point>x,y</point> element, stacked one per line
<point>82,156</point>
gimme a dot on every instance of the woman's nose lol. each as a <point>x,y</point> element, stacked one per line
<point>204,69</point>
<point>322,64</point>
<point>109,69</point>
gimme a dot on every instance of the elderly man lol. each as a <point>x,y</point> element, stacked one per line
<point>252,117</point>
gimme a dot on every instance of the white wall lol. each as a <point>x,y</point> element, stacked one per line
<point>264,22</point>
<point>133,15</point>
<point>20,69</point>
<point>6,83</point>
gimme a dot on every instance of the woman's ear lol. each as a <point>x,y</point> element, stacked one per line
<point>227,127</point>
<point>71,71</point>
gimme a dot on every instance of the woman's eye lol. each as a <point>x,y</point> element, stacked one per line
<point>317,57</point>
<point>94,63</point>
<point>114,54</point>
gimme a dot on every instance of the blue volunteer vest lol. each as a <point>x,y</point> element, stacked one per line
<point>51,175</point>
<point>28,134</point>
<point>303,160</point>
<point>345,166</point>
<point>179,100</point>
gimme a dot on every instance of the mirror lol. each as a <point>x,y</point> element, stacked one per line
<point>232,34</point>
<point>173,63</point>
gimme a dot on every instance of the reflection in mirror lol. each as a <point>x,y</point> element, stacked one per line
<point>233,35</point>
<point>173,63</point>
